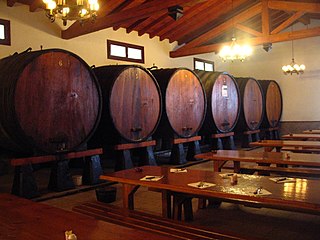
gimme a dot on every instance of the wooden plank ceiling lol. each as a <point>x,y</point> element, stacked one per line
<point>205,26</point>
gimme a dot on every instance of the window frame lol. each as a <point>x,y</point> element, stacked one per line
<point>204,62</point>
<point>127,46</point>
<point>7,35</point>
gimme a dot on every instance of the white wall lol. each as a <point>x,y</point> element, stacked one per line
<point>300,93</point>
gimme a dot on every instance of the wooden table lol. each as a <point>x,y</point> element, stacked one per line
<point>302,136</point>
<point>24,219</point>
<point>317,131</point>
<point>278,144</point>
<point>302,195</point>
<point>280,158</point>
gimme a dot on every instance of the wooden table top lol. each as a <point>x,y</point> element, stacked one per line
<point>317,131</point>
<point>301,136</point>
<point>286,143</point>
<point>302,195</point>
<point>23,219</point>
<point>312,160</point>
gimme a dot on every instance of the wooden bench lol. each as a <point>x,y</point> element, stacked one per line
<point>151,223</point>
<point>295,171</point>
<point>301,150</point>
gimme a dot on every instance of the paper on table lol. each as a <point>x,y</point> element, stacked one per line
<point>261,192</point>
<point>201,185</point>
<point>178,170</point>
<point>151,178</point>
<point>283,180</point>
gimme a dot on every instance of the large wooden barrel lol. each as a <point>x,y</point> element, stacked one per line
<point>252,108</point>
<point>131,104</point>
<point>272,103</point>
<point>223,102</point>
<point>50,100</point>
<point>184,102</point>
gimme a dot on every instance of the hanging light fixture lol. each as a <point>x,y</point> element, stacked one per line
<point>235,51</point>
<point>71,10</point>
<point>293,67</point>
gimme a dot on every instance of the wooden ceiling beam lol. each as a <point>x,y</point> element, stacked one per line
<point>188,17</point>
<point>246,14</point>
<point>288,22</point>
<point>202,22</point>
<point>294,6</point>
<point>128,5</point>
<point>136,13</point>
<point>248,30</point>
<point>148,23</point>
<point>265,17</point>
<point>280,37</point>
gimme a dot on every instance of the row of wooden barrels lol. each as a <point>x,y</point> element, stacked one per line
<point>51,100</point>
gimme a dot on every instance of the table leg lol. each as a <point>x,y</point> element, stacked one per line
<point>128,191</point>
<point>166,204</point>
<point>236,166</point>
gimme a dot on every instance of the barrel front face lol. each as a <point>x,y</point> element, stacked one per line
<point>185,103</point>
<point>57,101</point>
<point>135,104</point>
<point>225,103</point>
<point>253,104</point>
<point>273,104</point>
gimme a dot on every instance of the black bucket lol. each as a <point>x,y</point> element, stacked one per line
<point>106,194</point>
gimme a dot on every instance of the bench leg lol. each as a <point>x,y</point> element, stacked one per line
<point>147,156</point>
<point>92,170</point>
<point>24,183</point>
<point>60,177</point>
<point>193,149</point>
<point>123,160</point>
<point>177,154</point>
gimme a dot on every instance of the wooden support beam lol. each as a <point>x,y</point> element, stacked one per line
<point>265,18</point>
<point>134,14</point>
<point>248,13</point>
<point>280,37</point>
<point>248,30</point>
<point>288,22</point>
<point>294,6</point>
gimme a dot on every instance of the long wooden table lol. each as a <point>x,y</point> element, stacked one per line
<point>23,219</point>
<point>301,136</point>
<point>279,158</point>
<point>269,145</point>
<point>302,195</point>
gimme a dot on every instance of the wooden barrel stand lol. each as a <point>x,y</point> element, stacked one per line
<point>250,136</point>
<point>124,160</point>
<point>24,182</point>
<point>177,152</point>
<point>223,141</point>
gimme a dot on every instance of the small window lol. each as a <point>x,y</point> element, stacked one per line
<point>204,65</point>
<point>5,38</point>
<point>125,51</point>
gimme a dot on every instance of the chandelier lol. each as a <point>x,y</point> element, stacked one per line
<point>235,51</point>
<point>71,10</point>
<point>293,67</point>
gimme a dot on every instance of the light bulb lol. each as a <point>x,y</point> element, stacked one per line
<point>302,67</point>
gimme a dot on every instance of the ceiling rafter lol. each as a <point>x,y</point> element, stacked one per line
<point>136,13</point>
<point>205,24</point>
<point>288,22</point>
<point>248,13</point>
